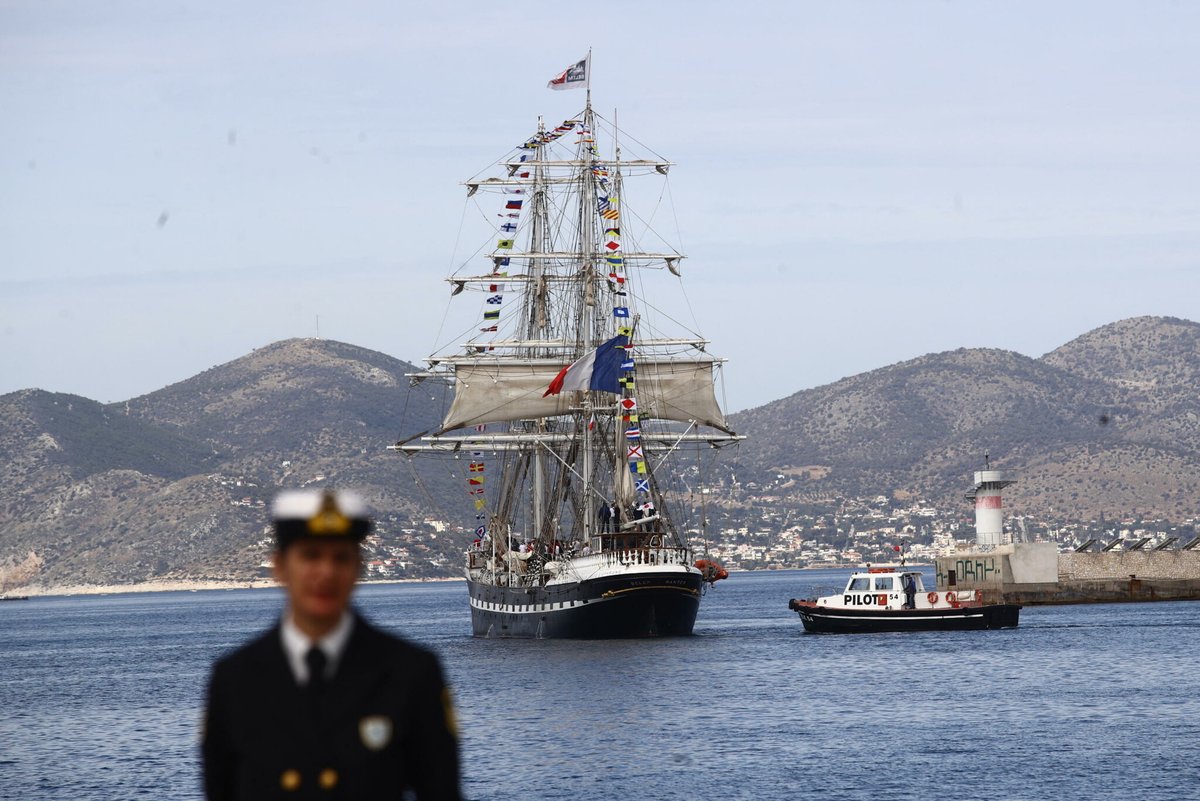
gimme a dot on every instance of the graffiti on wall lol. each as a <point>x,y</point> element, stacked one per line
<point>971,570</point>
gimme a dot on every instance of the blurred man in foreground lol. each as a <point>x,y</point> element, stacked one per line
<point>324,705</point>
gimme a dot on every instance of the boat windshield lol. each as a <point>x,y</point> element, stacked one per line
<point>885,582</point>
<point>859,584</point>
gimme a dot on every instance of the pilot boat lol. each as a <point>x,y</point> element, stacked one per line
<point>875,600</point>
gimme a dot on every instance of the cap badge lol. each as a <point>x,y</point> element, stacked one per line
<point>329,519</point>
<point>375,731</point>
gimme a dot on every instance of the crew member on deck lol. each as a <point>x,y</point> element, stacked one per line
<point>606,515</point>
<point>910,592</point>
<point>324,704</point>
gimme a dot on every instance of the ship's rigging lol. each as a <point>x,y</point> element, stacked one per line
<point>577,415</point>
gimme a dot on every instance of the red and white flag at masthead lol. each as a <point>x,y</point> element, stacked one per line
<point>575,76</point>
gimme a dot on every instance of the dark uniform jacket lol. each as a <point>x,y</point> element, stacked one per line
<point>382,725</point>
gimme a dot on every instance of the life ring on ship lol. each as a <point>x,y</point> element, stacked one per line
<point>951,597</point>
<point>932,598</point>
<point>656,541</point>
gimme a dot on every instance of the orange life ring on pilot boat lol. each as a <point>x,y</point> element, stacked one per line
<point>932,598</point>
<point>951,597</point>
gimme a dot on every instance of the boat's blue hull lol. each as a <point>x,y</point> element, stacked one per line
<point>655,605</point>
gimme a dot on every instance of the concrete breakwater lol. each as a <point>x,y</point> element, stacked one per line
<point>1036,573</point>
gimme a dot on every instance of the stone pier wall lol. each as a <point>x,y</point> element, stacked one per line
<point>1117,565</point>
<point>1035,573</point>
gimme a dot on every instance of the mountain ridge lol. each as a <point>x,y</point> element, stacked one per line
<point>175,483</point>
<point>923,425</point>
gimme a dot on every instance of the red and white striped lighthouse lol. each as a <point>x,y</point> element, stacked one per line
<point>989,514</point>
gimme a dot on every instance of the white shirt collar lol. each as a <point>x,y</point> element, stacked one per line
<point>296,644</point>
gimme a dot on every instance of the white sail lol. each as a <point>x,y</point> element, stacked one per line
<point>507,390</point>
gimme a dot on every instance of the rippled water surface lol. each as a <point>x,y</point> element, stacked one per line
<point>100,699</point>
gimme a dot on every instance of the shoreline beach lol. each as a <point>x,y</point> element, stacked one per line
<point>192,585</point>
<point>177,585</point>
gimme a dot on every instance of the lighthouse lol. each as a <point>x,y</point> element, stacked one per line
<point>989,514</point>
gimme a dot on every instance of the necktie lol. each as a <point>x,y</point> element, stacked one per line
<point>316,661</point>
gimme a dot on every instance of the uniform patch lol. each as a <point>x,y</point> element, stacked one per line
<point>375,731</point>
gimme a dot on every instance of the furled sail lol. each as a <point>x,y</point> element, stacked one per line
<point>491,390</point>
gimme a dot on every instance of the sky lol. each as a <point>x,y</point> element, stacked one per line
<point>856,183</point>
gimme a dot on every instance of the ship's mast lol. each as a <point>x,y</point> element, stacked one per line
<point>622,485</point>
<point>538,317</point>
<point>586,275</point>
<point>560,456</point>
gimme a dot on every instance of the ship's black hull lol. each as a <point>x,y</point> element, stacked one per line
<point>835,620</point>
<point>627,606</point>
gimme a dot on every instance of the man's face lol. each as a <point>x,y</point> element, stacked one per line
<point>319,576</point>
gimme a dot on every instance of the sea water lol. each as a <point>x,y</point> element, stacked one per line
<point>100,698</point>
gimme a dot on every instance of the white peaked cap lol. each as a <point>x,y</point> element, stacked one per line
<point>304,504</point>
<point>325,514</point>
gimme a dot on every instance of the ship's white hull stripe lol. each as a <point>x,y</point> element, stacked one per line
<point>534,609</point>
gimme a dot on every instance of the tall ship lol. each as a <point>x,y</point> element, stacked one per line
<point>585,420</point>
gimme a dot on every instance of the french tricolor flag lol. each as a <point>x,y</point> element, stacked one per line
<point>598,370</point>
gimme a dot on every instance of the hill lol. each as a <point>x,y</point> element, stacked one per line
<point>1107,423</point>
<point>175,484</point>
